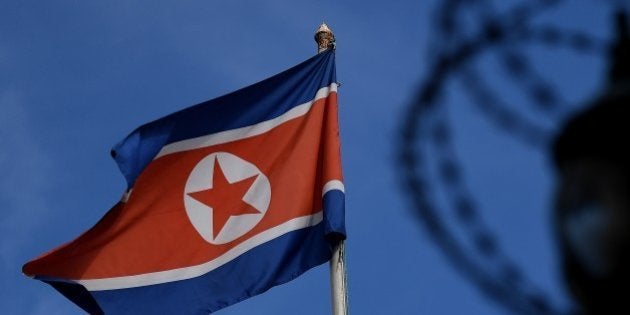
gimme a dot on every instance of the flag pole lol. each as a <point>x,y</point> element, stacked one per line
<point>326,40</point>
<point>338,279</point>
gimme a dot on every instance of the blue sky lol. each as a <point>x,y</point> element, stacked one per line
<point>77,76</point>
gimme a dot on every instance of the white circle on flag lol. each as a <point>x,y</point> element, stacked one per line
<point>235,169</point>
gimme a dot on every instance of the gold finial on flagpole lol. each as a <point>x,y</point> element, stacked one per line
<point>324,37</point>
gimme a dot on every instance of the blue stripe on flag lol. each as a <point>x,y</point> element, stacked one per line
<point>252,273</point>
<point>334,214</point>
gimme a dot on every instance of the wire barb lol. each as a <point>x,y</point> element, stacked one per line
<point>425,131</point>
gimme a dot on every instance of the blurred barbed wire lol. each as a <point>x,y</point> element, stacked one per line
<point>426,126</point>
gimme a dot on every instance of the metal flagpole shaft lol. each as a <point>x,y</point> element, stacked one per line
<point>338,280</point>
<point>326,39</point>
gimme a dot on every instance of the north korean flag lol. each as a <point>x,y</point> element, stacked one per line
<point>225,199</point>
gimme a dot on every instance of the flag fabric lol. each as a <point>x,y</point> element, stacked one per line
<point>225,200</point>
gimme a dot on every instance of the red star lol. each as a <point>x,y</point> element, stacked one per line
<point>225,198</point>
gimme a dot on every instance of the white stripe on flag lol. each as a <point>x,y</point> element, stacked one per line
<point>247,131</point>
<point>333,185</point>
<point>199,270</point>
